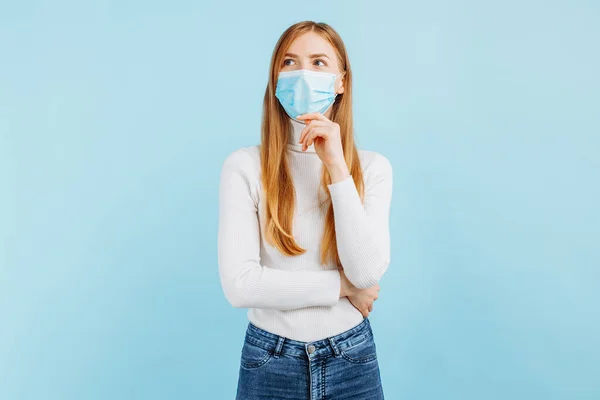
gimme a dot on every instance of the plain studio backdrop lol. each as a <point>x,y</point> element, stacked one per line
<point>116,116</point>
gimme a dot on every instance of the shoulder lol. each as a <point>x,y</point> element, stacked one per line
<point>374,163</point>
<point>245,160</point>
<point>240,177</point>
<point>377,171</point>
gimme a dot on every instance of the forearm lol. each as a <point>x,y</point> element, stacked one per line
<point>338,171</point>
<point>362,231</point>
<point>251,285</point>
<point>246,282</point>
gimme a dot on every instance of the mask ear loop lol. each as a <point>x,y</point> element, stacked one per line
<point>334,79</point>
<point>336,93</point>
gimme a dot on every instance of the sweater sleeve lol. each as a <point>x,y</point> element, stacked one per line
<point>362,231</point>
<point>245,281</point>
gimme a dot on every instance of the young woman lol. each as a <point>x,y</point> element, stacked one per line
<point>304,231</point>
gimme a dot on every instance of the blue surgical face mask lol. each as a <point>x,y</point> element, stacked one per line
<point>303,91</point>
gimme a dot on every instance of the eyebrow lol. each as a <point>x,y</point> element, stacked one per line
<point>311,56</point>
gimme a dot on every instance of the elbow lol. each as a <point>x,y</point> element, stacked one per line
<point>368,277</point>
<point>234,286</point>
<point>365,265</point>
<point>235,301</point>
<point>233,298</point>
<point>234,294</point>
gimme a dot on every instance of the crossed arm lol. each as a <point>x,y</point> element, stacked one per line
<point>363,247</point>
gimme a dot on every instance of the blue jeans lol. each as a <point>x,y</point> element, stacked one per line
<point>343,366</point>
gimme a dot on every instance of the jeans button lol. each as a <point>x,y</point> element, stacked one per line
<point>311,349</point>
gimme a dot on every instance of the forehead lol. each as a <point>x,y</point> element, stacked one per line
<point>310,43</point>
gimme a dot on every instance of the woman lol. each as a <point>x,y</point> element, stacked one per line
<point>304,231</point>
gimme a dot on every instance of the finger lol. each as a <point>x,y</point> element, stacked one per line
<point>308,140</point>
<point>314,134</point>
<point>304,132</point>
<point>315,115</point>
<point>308,127</point>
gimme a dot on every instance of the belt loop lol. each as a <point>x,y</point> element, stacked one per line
<point>279,346</point>
<point>334,347</point>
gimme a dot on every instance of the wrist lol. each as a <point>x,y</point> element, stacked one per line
<point>345,286</point>
<point>338,171</point>
<point>342,285</point>
<point>348,291</point>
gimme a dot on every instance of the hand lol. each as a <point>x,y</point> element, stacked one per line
<point>325,134</point>
<point>361,299</point>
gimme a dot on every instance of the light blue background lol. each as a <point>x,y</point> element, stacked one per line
<point>115,118</point>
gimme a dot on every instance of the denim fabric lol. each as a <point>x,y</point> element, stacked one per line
<point>343,366</point>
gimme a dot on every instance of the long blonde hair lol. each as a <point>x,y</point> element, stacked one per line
<point>276,180</point>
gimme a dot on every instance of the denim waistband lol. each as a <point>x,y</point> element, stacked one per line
<point>319,348</point>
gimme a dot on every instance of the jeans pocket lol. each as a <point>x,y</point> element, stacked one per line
<point>362,352</point>
<point>254,354</point>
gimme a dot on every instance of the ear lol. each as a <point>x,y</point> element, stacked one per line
<point>340,90</point>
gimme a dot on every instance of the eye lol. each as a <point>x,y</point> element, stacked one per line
<point>324,63</point>
<point>285,62</point>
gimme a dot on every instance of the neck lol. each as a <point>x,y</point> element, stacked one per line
<point>294,137</point>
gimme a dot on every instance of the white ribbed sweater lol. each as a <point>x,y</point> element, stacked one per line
<point>296,296</point>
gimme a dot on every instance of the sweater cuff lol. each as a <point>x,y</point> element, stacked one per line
<point>342,188</point>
